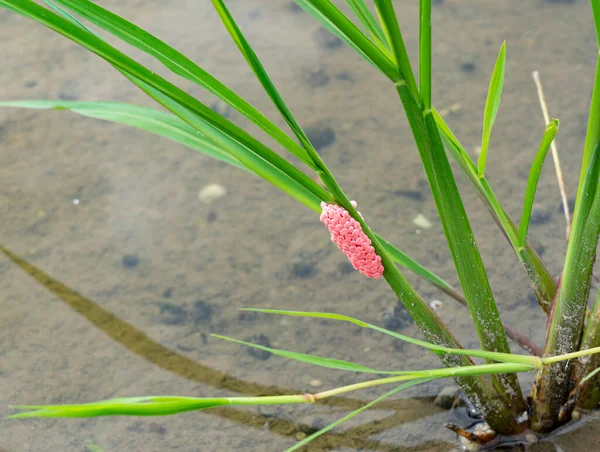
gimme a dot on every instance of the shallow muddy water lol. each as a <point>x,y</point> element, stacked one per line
<point>115,273</point>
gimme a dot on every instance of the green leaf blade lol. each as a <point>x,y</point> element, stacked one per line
<point>362,12</point>
<point>340,25</point>
<point>180,65</point>
<point>510,358</point>
<point>349,416</point>
<point>134,406</point>
<point>425,53</point>
<point>387,16</point>
<point>264,79</point>
<point>143,118</point>
<point>534,176</point>
<point>329,363</point>
<point>540,278</point>
<point>491,106</point>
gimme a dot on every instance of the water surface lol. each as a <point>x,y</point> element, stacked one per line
<point>115,273</point>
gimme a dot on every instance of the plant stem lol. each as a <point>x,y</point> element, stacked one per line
<point>566,320</point>
<point>478,389</point>
<point>483,369</point>
<point>589,396</point>
<point>463,248</point>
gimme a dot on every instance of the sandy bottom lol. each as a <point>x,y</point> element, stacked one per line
<point>118,273</point>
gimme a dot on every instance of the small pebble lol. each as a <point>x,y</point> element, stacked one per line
<point>130,260</point>
<point>300,436</point>
<point>531,438</point>
<point>435,304</point>
<point>422,222</point>
<point>575,415</point>
<point>171,314</point>
<point>320,137</point>
<point>202,311</point>
<point>259,339</point>
<point>327,39</point>
<point>445,399</point>
<point>211,193</point>
<point>168,292</point>
<point>467,67</point>
<point>316,383</point>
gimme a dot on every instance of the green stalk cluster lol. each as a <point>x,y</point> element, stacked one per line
<point>570,338</point>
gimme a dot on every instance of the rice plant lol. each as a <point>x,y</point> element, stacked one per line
<point>568,364</point>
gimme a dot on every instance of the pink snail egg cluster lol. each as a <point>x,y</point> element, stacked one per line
<point>348,235</point>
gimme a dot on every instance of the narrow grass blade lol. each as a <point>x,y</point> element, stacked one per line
<point>316,360</point>
<point>337,22</point>
<point>180,65</point>
<point>493,356</point>
<point>148,119</point>
<point>265,81</point>
<point>418,269</point>
<point>491,106</point>
<point>591,375</point>
<point>331,426</point>
<point>362,12</point>
<point>425,53</point>
<point>534,176</point>
<point>68,16</point>
<point>388,19</point>
<point>135,406</point>
<point>168,405</point>
<point>540,278</point>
